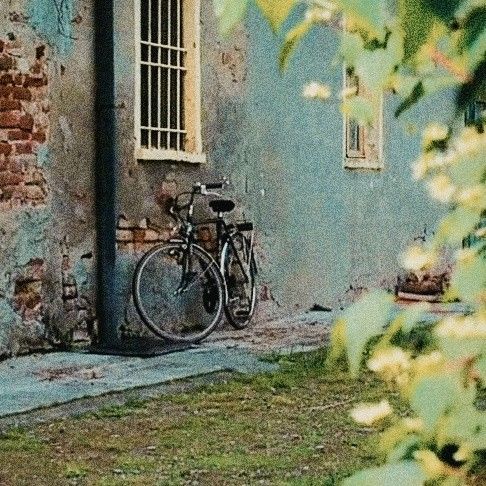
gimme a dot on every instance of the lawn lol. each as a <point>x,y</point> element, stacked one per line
<point>288,427</point>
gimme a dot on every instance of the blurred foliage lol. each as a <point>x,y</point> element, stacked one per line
<point>421,48</point>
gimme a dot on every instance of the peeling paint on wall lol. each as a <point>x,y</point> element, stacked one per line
<point>52,20</point>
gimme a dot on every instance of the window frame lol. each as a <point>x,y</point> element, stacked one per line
<point>371,155</point>
<point>193,150</point>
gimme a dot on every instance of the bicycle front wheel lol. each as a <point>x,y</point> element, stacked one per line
<point>179,294</point>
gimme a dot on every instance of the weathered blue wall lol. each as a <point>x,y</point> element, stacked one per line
<point>324,228</point>
<point>323,231</point>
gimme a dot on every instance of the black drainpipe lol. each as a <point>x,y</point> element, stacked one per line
<point>105,174</point>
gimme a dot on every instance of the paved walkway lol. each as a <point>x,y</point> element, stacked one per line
<point>41,381</point>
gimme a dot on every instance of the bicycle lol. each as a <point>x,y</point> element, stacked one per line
<point>180,291</point>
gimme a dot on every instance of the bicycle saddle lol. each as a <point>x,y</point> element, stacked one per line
<point>222,205</point>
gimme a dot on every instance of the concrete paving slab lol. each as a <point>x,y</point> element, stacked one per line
<point>39,381</point>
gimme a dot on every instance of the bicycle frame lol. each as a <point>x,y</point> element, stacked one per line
<point>187,235</point>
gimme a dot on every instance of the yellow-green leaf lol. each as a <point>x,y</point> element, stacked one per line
<point>360,109</point>
<point>369,14</point>
<point>292,38</point>
<point>229,13</point>
<point>469,278</point>
<point>404,473</point>
<point>457,225</point>
<point>417,21</point>
<point>352,47</point>
<point>364,320</point>
<point>374,68</point>
<point>276,11</point>
<point>432,396</point>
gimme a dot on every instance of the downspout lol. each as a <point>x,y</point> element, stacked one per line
<point>105,173</point>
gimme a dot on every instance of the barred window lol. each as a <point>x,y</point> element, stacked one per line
<point>362,144</point>
<point>355,131</point>
<point>168,81</point>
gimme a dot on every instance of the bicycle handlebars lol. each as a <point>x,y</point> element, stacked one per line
<point>200,188</point>
<point>197,189</point>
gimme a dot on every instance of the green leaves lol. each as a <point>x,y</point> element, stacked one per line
<point>404,473</point>
<point>443,9</point>
<point>229,13</point>
<point>432,396</point>
<point>276,11</point>
<point>360,109</point>
<point>364,320</point>
<point>458,224</point>
<point>352,47</point>
<point>412,315</point>
<point>473,89</point>
<point>416,21</point>
<point>292,39</point>
<point>369,14</point>
<point>474,27</point>
<point>469,278</point>
<point>416,94</point>
<point>375,67</point>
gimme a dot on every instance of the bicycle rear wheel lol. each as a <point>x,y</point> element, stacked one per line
<point>241,299</point>
<point>177,300</point>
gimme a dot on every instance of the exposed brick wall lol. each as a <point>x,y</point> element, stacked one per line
<point>78,312</point>
<point>24,123</point>
<point>143,235</point>
<point>28,291</point>
<point>140,236</point>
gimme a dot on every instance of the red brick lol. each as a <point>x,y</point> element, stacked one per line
<point>9,119</point>
<point>8,105</point>
<point>139,235</point>
<point>6,79</point>
<point>38,177</point>
<point>28,298</point>
<point>21,93</point>
<point>8,191</point>
<point>9,179</point>
<point>39,136</point>
<point>16,166</point>
<point>36,68</point>
<point>5,148</point>
<point>4,163</point>
<point>5,91</point>
<point>6,62</point>
<point>18,80</point>
<point>23,148</point>
<point>35,82</point>
<point>18,135</point>
<point>124,235</point>
<point>40,52</point>
<point>26,122</point>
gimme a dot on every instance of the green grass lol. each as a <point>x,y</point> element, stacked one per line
<point>291,427</point>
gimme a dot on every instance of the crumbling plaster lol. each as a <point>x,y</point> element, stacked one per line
<point>34,233</point>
